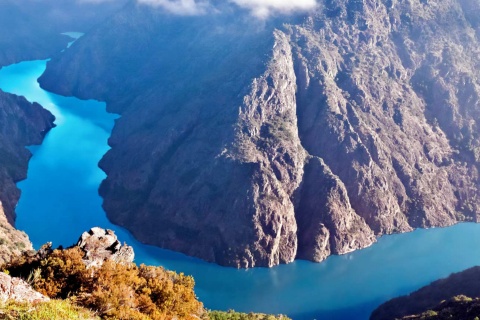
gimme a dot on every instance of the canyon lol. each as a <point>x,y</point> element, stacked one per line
<point>30,36</point>
<point>253,143</point>
<point>22,124</point>
<point>250,143</point>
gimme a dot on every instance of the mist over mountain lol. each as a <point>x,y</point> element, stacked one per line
<point>30,30</point>
<point>253,142</point>
<point>28,35</point>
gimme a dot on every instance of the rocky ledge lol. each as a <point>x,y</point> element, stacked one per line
<point>18,290</point>
<point>100,245</point>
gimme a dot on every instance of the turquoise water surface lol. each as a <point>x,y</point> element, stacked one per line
<point>60,200</point>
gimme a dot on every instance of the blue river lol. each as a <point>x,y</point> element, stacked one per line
<point>60,201</point>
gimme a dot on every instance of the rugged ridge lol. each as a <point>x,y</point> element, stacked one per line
<point>32,29</point>
<point>299,138</point>
<point>21,124</point>
<point>28,35</point>
<point>429,297</point>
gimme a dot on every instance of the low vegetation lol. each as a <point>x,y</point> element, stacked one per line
<point>111,291</point>
<point>232,315</point>
<point>425,301</point>
<point>52,310</point>
<point>459,307</point>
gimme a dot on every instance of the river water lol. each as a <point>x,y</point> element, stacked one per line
<point>60,200</point>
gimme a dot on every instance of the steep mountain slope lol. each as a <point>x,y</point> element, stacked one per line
<point>459,307</point>
<point>31,29</point>
<point>24,38</point>
<point>429,297</point>
<point>21,124</point>
<point>252,144</point>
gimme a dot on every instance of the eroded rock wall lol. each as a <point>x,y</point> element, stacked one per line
<point>297,138</point>
<point>21,124</point>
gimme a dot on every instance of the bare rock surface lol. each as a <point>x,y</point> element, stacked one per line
<point>21,124</point>
<point>16,289</point>
<point>254,144</point>
<point>100,245</point>
<point>12,241</point>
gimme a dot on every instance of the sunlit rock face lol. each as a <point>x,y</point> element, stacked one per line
<point>100,245</point>
<point>18,290</point>
<point>12,241</point>
<point>254,142</point>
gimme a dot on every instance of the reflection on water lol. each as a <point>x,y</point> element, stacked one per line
<point>60,200</point>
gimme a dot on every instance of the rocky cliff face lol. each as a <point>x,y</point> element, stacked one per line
<point>21,124</point>
<point>27,35</point>
<point>295,138</point>
<point>12,241</point>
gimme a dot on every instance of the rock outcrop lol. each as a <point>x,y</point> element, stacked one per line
<point>12,241</point>
<point>16,289</point>
<point>254,144</point>
<point>100,245</point>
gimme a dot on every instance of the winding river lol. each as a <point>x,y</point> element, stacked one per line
<point>60,200</point>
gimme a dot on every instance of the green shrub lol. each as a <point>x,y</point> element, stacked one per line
<point>52,310</point>
<point>232,315</point>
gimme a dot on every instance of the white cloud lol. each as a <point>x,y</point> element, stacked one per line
<point>259,8</point>
<point>180,7</point>
<point>263,8</point>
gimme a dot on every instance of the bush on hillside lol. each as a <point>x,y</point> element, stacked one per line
<point>115,291</point>
<point>52,310</point>
<point>232,315</point>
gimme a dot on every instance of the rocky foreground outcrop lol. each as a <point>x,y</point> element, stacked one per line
<point>253,144</point>
<point>16,289</point>
<point>96,246</point>
<point>100,245</point>
<point>12,241</point>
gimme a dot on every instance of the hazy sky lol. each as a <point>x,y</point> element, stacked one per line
<point>259,8</point>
